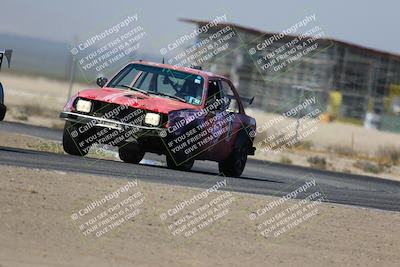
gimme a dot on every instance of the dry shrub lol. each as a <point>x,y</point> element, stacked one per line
<point>388,155</point>
<point>342,150</point>
<point>317,162</point>
<point>285,160</point>
<point>367,166</point>
<point>307,145</point>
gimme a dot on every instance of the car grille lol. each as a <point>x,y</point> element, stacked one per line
<point>121,113</point>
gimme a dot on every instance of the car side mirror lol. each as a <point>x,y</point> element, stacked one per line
<point>101,81</point>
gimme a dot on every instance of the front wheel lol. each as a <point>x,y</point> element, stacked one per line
<point>3,110</point>
<point>72,144</point>
<point>131,153</point>
<point>234,165</point>
<point>179,165</point>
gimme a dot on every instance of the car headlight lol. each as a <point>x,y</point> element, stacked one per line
<point>83,106</point>
<point>152,119</point>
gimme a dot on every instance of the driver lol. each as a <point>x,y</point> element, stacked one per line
<point>192,91</point>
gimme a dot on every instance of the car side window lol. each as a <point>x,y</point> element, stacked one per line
<point>214,93</point>
<point>230,99</point>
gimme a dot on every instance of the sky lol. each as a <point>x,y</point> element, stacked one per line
<point>372,24</point>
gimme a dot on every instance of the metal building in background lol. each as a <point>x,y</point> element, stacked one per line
<point>352,83</point>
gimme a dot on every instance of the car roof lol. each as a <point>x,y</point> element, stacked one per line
<point>183,69</point>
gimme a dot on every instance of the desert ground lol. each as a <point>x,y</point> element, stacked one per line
<point>37,229</point>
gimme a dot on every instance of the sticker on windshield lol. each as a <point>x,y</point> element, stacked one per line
<point>197,81</point>
<point>194,101</point>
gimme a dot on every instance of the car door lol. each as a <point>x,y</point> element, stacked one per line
<point>234,116</point>
<point>222,121</point>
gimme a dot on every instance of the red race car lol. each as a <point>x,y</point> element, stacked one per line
<point>184,113</point>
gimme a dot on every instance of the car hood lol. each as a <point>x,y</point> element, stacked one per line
<point>135,99</point>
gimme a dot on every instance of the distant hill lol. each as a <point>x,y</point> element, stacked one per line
<point>42,57</point>
<point>36,56</point>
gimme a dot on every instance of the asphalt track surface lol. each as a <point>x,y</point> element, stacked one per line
<point>259,177</point>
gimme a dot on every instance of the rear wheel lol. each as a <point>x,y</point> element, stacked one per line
<point>131,153</point>
<point>71,144</point>
<point>179,165</point>
<point>235,163</point>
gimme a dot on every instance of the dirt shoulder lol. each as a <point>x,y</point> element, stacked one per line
<point>37,229</point>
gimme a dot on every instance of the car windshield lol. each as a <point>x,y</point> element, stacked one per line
<point>178,85</point>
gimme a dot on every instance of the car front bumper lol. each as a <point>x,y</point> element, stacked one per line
<point>112,124</point>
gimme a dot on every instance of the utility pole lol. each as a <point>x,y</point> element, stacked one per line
<point>301,99</point>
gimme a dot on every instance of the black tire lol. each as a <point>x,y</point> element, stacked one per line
<point>131,153</point>
<point>234,165</point>
<point>70,144</point>
<point>3,110</point>
<point>178,165</point>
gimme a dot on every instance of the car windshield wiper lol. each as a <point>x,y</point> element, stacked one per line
<point>134,89</point>
<point>167,95</point>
